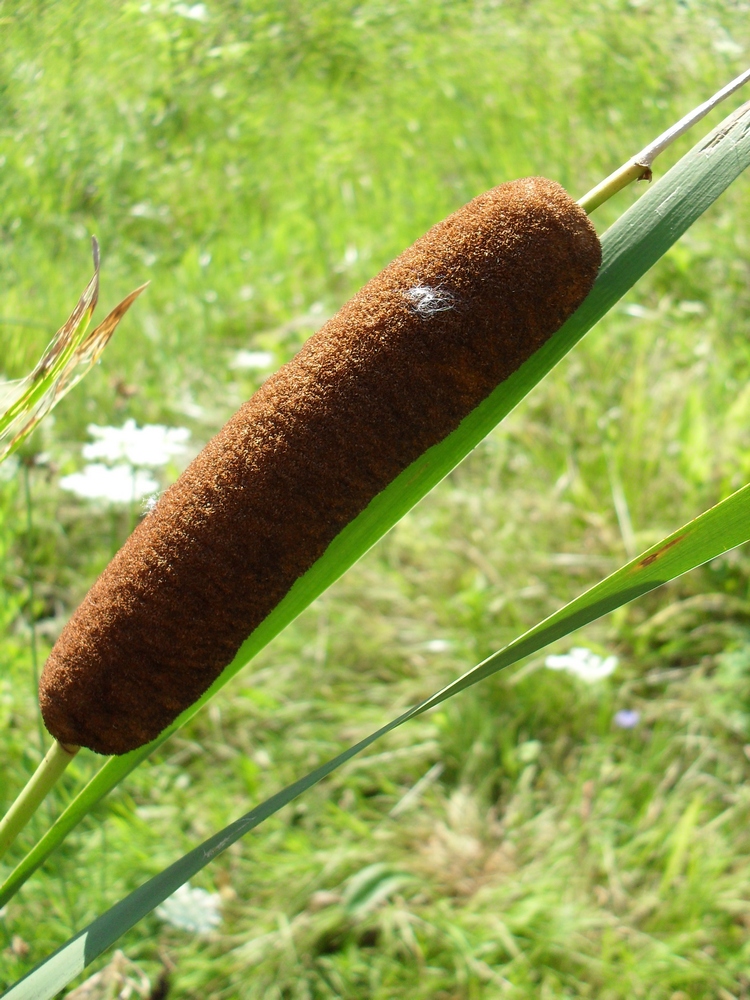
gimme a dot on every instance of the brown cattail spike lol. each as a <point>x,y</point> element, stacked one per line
<point>391,374</point>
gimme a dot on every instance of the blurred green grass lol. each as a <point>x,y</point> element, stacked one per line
<point>257,162</point>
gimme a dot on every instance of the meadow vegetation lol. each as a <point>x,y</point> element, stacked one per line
<point>257,162</point>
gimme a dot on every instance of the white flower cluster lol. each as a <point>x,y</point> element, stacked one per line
<point>252,360</point>
<point>142,447</point>
<point>132,449</point>
<point>584,664</point>
<point>121,484</point>
<point>192,910</point>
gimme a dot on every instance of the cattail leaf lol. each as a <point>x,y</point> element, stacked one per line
<point>69,356</point>
<point>630,247</point>
<point>721,528</point>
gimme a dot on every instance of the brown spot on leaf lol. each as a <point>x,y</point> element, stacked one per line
<point>653,556</point>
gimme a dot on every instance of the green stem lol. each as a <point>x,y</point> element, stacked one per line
<point>44,778</point>
<point>604,190</point>
<point>639,167</point>
<point>32,598</point>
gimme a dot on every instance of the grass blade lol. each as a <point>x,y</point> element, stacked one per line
<point>633,244</point>
<point>721,528</point>
<point>68,357</point>
<point>23,398</point>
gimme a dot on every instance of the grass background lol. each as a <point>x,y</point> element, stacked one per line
<point>257,162</point>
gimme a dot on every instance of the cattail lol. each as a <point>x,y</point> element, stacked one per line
<point>390,375</point>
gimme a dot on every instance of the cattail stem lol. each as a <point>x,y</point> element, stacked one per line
<point>44,778</point>
<point>639,166</point>
<point>32,598</point>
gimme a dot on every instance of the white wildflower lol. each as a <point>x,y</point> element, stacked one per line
<point>249,360</point>
<point>437,646</point>
<point>152,445</point>
<point>636,310</point>
<point>118,484</point>
<point>582,663</point>
<point>191,910</point>
<point>193,12</point>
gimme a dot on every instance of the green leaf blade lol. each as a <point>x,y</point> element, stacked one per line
<point>718,530</point>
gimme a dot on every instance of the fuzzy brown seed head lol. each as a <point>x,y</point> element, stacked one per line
<point>394,372</point>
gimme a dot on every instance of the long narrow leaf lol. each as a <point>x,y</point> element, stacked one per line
<point>633,244</point>
<point>23,397</point>
<point>722,528</point>
<point>68,357</point>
